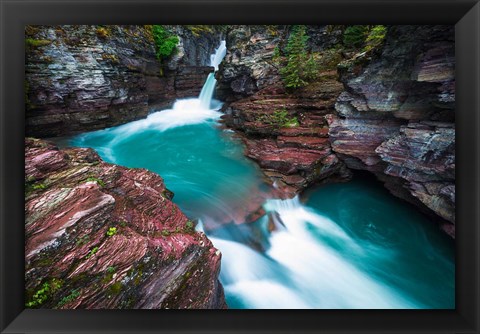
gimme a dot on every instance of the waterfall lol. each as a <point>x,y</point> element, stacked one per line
<point>206,94</point>
<point>217,57</point>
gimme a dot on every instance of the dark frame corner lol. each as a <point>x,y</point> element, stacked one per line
<point>14,14</point>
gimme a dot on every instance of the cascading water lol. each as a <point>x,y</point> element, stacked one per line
<point>208,88</point>
<point>349,246</point>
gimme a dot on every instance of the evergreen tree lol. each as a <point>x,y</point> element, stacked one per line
<point>300,68</point>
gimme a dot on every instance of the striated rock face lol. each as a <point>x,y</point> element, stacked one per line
<point>82,78</point>
<point>390,111</point>
<point>396,117</point>
<point>294,155</point>
<point>99,235</point>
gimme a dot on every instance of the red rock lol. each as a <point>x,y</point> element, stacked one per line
<point>109,237</point>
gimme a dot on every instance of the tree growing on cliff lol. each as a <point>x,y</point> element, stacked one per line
<point>364,36</point>
<point>300,67</point>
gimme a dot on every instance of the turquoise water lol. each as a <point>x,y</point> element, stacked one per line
<point>348,245</point>
<point>343,246</point>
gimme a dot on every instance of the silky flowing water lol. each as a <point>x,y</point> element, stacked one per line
<point>347,245</point>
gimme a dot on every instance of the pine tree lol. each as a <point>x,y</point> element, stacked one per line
<point>300,68</point>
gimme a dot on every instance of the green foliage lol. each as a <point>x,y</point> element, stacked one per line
<point>355,36</point>
<point>166,233</point>
<point>92,252</point>
<point>375,38</point>
<point>30,187</point>
<point>70,298</point>
<point>111,231</point>
<point>165,42</point>
<point>97,180</point>
<point>109,273</point>
<point>279,119</point>
<point>42,294</point>
<point>300,68</point>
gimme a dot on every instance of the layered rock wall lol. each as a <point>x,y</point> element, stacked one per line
<point>396,117</point>
<point>101,236</point>
<point>83,78</point>
<point>390,111</point>
<point>293,155</point>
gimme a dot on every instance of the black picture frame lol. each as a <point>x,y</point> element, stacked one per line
<point>15,14</point>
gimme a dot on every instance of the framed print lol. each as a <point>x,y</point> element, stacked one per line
<point>239,166</point>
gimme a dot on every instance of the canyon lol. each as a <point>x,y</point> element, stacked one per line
<point>99,235</point>
<point>389,111</point>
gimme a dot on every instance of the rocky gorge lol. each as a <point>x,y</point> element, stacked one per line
<point>389,110</point>
<point>82,78</point>
<point>100,235</point>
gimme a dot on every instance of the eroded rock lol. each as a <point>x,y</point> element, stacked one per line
<point>104,236</point>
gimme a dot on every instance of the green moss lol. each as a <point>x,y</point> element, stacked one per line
<point>92,252</point>
<point>45,261</point>
<point>97,180</point>
<point>189,226</point>
<point>36,43</point>
<point>197,30</point>
<point>31,187</point>
<point>115,288</point>
<point>111,231</point>
<point>109,273</point>
<point>279,119</point>
<point>69,298</point>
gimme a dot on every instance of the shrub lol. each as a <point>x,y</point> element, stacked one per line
<point>375,37</point>
<point>355,36</point>
<point>165,42</point>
